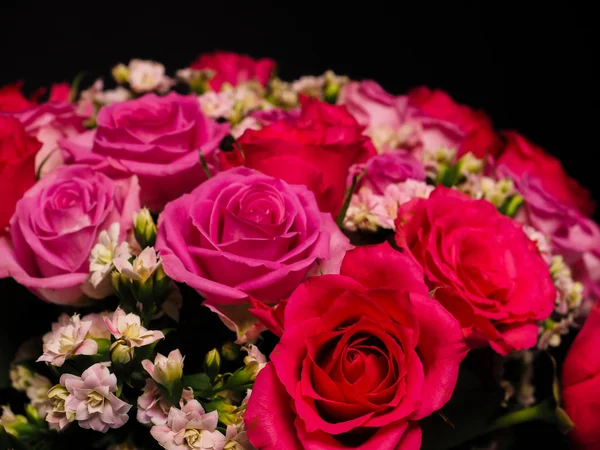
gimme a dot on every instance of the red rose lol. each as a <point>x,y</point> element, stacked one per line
<point>17,165</point>
<point>12,100</point>
<point>581,384</point>
<point>522,157</point>
<point>480,139</point>
<point>484,268</point>
<point>363,356</point>
<point>233,68</point>
<point>317,150</point>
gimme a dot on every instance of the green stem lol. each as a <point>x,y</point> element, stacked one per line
<point>544,411</point>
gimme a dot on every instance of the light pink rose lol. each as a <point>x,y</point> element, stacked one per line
<point>189,427</point>
<point>243,233</point>
<point>393,123</point>
<point>49,123</point>
<point>156,138</point>
<point>55,226</point>
<point>92,399</point>
<point>154,408</point>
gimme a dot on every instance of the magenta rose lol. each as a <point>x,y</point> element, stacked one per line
<point>156,138</point>
<point>57,223</point>
<point>483,267</point>
<point>243,233</point>
<point>364,355</point>
<point>389,168</point>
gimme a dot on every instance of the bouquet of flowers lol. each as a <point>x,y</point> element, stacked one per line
<point>234,262</point>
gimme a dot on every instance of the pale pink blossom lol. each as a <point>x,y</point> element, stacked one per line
<point>189,428</point>
<point>67,340</point>
<point>148,76</point>
<point>37,392</point>
<point>144,265</point>
<point>166,369</point>
<point>255,361</point>
<point>247,123</point>
<point>58,416</point>
<point>49,123</point>
<point>369,211</point>
<point>92,399</point>
<point>129,334</point>
<point>404,192</point>
<point>101,261</point>
<point>237,439</point>
<point>98,329</point>
<point>154,408</point>
<point>217,104</point>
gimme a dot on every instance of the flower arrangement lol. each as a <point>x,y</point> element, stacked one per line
<point>243,262</point>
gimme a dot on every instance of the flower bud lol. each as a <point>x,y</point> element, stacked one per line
<point>122,288</point>
<point>121,352</point>
<point>196,79</point>
<point>228,413</point>
<point>230,351</point>
<point>120,73</point>
<point>144,228</point>
<point>166,370</point>
<point>212,363</point>
<point>12,422</point>
<point>333,86</point>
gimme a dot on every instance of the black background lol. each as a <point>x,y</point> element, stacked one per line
<point>530,67</point>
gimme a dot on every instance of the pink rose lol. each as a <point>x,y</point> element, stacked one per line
<point>243,233</point>
<point>394,123</point>
<point>364,355</point>
<point>572,235</point>
<point>523,157</point>
<point>386,169</point>
<point>156,138</point>
<point>234,68</point>
<point>480,137</point>
<point>49,123</point>
<point>57,223</point>
<point>483,267</point>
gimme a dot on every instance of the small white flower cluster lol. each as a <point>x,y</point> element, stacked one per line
<point>234,103</point>
<point>370,212</point>
<point>569,293</point>
<point>482,187</point>
<point>143,76</point>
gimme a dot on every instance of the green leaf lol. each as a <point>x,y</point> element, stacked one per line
<point>173,394</point>
<point>200,383</point>
<point>75,87</point>
<point>103,346</point>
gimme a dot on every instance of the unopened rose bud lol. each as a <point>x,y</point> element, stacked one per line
<point>144,228</point>
<point>230,351</point>
<point>121,352</point>
<point>212,363</point>
<point>120,73</point>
